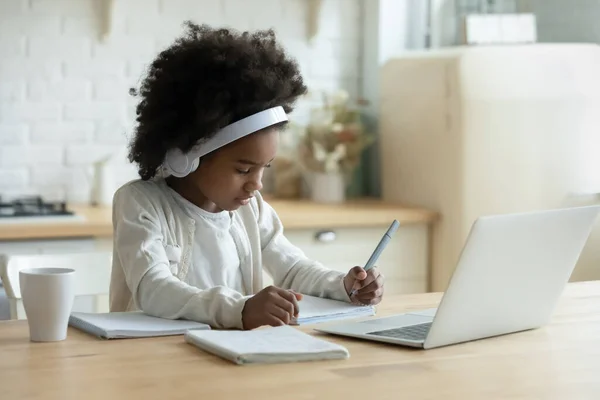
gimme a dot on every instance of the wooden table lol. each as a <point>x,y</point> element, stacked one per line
<point>560,361</point>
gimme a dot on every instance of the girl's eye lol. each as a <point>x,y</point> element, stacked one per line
<point>247,171</point>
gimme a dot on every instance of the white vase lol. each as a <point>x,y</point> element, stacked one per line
<point>328,188</point>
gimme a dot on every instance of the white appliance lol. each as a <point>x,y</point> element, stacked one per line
<point>470,131</point>
<point>496,288</point>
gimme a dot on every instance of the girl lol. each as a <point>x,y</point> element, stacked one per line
<point>192,235</point>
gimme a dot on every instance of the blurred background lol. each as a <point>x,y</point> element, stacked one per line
<point>448,108</point>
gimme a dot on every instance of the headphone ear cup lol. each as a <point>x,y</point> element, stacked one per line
<point>173,163</point>
<point>195,164</point>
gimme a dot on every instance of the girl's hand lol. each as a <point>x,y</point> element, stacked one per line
<point>368,285</point>
<point>271,306</point>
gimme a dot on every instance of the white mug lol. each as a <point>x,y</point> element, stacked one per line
<point>48,295</point>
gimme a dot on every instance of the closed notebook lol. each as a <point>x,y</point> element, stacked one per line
<point>317,309</point>
<point>135,324</point>
<point>280,344</point>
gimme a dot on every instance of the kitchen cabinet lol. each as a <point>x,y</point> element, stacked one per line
<point>47,246</point>
<point>339,236</point>
<point>404,262</point>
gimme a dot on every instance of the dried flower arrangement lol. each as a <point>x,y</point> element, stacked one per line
<point>335,137</point>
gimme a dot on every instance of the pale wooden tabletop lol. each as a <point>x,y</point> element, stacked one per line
<point>294,214</point>
<point>560,361</point>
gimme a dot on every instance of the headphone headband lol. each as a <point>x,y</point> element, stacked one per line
<point>179,164</point>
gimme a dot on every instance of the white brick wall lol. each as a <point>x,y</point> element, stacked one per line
<point>64,99</point>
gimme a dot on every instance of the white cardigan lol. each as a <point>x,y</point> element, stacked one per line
<point>152,249</point>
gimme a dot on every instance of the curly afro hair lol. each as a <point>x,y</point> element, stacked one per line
<point>205,80</point>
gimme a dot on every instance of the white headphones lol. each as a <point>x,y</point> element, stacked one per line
<point>179,164</point>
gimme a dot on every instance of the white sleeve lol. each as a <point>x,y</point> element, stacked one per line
<point>288,265</point>
<point>140,247</point>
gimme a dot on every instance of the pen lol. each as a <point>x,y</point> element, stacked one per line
<point>379,249</point>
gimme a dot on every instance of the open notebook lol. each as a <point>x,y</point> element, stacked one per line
<point>317,309</point>
<point>266,345</point>
<point>135,324</point>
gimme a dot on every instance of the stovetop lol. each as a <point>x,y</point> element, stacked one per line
<point>32,206</point>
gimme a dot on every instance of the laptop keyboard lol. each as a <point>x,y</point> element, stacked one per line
<point>412,332</point>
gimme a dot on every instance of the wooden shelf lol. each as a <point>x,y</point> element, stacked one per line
<point>107,8</point>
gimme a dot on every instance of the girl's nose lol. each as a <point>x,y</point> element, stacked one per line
<point>254,185</point>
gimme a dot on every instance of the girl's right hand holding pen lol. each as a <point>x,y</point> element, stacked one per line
<point>364,287</point>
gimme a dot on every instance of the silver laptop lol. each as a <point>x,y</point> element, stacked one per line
<point>511,272</point>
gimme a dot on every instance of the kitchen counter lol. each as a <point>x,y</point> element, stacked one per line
<point>295,214</point>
